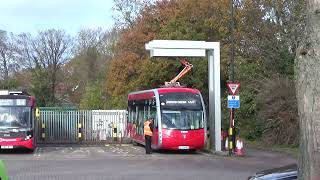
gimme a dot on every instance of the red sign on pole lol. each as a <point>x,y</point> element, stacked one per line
<point>233,87</point>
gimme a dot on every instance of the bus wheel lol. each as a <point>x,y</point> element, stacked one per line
<point>134,143</point>
<point>30,150</point>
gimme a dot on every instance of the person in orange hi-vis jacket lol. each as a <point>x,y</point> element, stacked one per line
<point>148,128</point>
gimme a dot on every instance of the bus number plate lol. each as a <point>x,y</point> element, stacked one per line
<point>6,147</point>
<point>183,147</point>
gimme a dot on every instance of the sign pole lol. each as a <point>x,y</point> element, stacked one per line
<point>233,132</point>
<point>233,102</point>
<point>230,134</point>
<point>231,128</point>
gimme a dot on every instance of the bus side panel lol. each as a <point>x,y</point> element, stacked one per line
<point>155,137</point>
<point>129,130</point>
<point>132,133</point>
<point>137,137</point>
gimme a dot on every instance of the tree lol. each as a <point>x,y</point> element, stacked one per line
<point>308,94</point>
<point>93,98</point>
<point>93,49</point>
<point>127,11</point>
<point>7,60</point>
<point>44,55</point>
<point>4,56</point>
<point>267,36</point>
<point>130,69</point>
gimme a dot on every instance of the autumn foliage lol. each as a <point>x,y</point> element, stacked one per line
<point>131,68</point>
<point>103,66</point>
<point>264,46</point>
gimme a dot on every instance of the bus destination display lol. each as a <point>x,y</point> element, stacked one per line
<point>13,102</point>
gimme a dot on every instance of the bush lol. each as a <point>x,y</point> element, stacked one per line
<point>278,113</point>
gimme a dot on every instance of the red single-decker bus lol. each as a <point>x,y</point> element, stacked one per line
<point>179,117</point>
<point>16,120</point>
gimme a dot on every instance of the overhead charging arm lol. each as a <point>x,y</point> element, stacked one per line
<point>187,67</point>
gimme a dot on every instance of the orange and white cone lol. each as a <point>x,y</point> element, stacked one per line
<point>226,147</point>
<point>239,147</point>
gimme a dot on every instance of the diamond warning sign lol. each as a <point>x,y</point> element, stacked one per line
<point>233,87</point>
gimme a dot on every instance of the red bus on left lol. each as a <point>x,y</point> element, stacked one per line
<point>16,120</point>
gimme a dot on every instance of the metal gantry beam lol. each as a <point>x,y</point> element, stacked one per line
<point>183,48</point>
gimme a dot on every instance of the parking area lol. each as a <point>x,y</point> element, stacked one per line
<point>130,162</point>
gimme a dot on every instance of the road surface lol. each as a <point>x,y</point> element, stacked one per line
<point>129,162</point>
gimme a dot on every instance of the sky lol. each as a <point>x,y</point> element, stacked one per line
<point>30,16</point>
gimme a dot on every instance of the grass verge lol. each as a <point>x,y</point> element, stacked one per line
<point>287,149</point>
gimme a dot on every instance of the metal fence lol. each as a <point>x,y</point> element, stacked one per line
<point>67,125</point>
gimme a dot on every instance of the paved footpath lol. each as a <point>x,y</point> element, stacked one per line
<point>130,162</point>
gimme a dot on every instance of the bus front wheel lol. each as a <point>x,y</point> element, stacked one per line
<point>134,143</point>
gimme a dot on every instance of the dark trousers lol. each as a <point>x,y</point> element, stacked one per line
<point>148,144</point>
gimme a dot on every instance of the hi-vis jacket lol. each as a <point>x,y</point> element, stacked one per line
<point>147,129</point>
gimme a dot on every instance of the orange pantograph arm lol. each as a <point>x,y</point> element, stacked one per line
<point>186,69</point>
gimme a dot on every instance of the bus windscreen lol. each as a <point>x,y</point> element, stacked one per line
<point>182,111</point>
<point>15,117</point>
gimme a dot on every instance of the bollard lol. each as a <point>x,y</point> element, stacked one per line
<point>80,131</point>
<point>114,128</point>
<point>226,147</point>
<point>43,135</point>
<point>230,142</point>
<point>224,136</point>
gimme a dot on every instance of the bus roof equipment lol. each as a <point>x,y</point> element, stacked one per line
<point>187,67</point>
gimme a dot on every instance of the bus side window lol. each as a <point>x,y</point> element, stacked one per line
<point>145,113</point>
<point>129,115</point>
<point>140,119</point>
<point>135,115</point>
<point>132,114</point>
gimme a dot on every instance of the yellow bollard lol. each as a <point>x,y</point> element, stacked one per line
<point>37,112</point>
<point>114,128</point>
<point>43,126</point>
<point>79,130</point>
<point>230,131</point>
<point>230,145</point>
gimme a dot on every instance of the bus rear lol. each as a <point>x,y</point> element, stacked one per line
<point>16,120</point>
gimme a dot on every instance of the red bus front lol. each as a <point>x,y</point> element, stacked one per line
<point>16,121</point>
<point>182,119</point>
<point>178,140</point>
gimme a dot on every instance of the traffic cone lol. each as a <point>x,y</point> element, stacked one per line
<point>239,147</point>
<point>226,147</point>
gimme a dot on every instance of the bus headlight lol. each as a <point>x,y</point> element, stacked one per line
<point>29,135</point>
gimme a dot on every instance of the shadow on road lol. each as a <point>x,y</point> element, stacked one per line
<point>180,152</point>
<point>15,151</point>
<point>169,152</point>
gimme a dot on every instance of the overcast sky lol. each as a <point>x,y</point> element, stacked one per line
<point>71,15</point>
